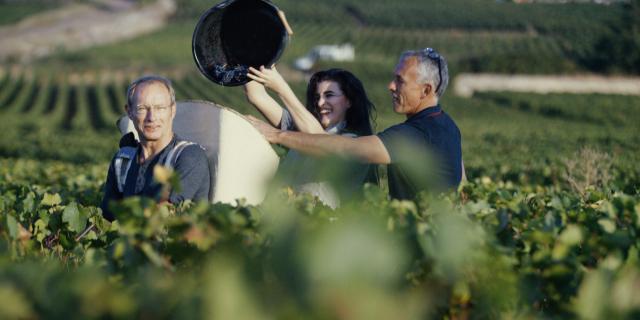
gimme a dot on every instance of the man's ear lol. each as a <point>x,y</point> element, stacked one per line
<point>427,90</point>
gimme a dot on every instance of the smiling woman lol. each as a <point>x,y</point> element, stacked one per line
<point>342,93</point>
<point>332,103</point>
<point>336,104</point>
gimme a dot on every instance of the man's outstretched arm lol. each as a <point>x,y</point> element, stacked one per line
<point>368,149</point>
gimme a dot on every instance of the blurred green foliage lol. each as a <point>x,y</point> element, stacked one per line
<point>493,250</point>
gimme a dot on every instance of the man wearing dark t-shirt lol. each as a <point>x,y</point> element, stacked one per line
<point>431,138</point>
<point>421,153</point>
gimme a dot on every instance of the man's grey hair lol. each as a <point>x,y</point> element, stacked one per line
<point>131,90</point>
<point>428,70</point>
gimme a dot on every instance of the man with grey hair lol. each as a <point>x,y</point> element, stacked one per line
<point>424,152</point>
<point>151,106</point>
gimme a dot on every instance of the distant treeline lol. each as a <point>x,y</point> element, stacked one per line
<point>591,37</point>
<point>477,35</point>
<point>618,50</point>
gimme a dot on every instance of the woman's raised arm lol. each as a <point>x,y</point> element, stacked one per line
<point>271,79</point>
<point>259,98</point>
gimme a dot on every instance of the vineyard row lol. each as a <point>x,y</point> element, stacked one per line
<point>83,102</point>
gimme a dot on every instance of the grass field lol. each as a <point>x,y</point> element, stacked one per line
<point>546,227</point>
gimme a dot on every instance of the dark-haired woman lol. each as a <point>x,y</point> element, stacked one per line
<point>336,104</point>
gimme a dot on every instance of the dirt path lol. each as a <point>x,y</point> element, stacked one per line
<point>80,26</point>
<point>466,84</point>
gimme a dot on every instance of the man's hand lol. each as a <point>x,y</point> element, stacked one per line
<point>268,131</point>
<point>270,78</point>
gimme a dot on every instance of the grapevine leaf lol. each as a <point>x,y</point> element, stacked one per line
<point>12,224</point>
<point>572,235</point>
<point>51,199</point>
<point>153,256</point>
<point>28,202</point>
<point>40,229</point>
<point>76,219</point>
<point>607,225</point>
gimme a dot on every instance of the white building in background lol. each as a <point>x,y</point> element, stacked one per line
<point>343,52</point>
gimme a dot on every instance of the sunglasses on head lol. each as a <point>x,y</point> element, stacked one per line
<point>434,55</point>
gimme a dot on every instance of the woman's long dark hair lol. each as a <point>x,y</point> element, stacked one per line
<point>362,111</point>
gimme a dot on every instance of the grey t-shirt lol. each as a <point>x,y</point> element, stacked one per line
<point>192,167</point>
<point>312,175</point>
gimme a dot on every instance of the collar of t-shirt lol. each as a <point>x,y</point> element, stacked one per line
<point>428,112</point>
<point>160,154</point>
<point>337,128</point>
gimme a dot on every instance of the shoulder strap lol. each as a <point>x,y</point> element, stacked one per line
<point>126,155</point>
<point>173,155</point>
<point>122,163</point>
